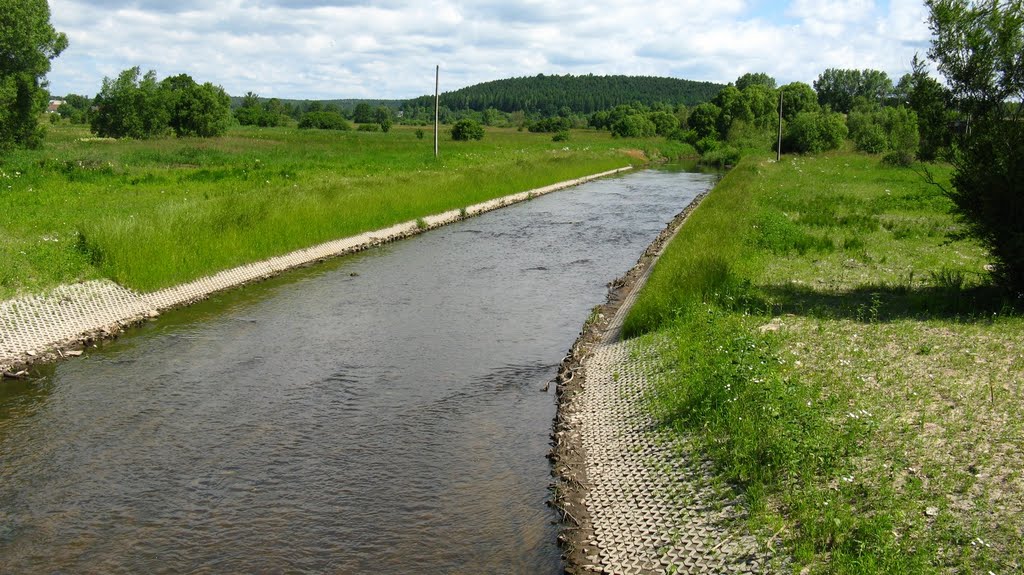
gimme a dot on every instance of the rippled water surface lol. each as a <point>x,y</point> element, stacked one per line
<point>378,413</point>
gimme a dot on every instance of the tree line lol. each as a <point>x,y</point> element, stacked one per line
<point>551,95</point>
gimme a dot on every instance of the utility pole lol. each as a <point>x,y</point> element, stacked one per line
<point>778,153</point>
<point>437,104</point>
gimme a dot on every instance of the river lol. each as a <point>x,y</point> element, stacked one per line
<point>379,413</point>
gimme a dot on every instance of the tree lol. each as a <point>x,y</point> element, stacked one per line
<point>28,42</point>
<point>933,104</point>
<point>704,119</point>
<point>812,132</point>
<point>75,108</point>
<point>839,88</point>
<point>755,79</point>
<point>383,117</point>
<point>634,126</point>
<point>797,98</point>
<point>196,110</point>
<point>131,107</point>
<point>363,113</point>
<point>978,47</point>
<point>467,129</point>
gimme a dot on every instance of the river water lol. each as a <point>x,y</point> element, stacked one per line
<point>380,413</point>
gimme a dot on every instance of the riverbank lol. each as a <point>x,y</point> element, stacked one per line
<point>843,361</point>
<point>60,323</point>
<point>149,214</point>
<point>633,499</point>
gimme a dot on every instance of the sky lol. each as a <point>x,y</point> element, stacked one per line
<point>387,49</point>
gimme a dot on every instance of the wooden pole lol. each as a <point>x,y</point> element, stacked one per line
<point>778,153</point>
<point>437,105</point>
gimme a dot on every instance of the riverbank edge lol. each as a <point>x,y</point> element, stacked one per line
<point>16,358</point>
<point>567,455</point>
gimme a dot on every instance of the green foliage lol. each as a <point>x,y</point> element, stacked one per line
<point>465,130</point>
<point>721,156</point>
<point>665,122</point>
<point>933,104</point>
<point>324,121</point>
<point>419,133</point>
<point>131,106</point>
<point>880,130</point>
<point>798,98</point>
<point>704,120</point>
<point>196,110</point>
<point>383,118</point>
<point>755,79</point>
<point>258,112</point>
<point>28,42</point>
<point>978,48</point>
<point>813,132</point>
<point>551,125</point>
<point>634,126</point>
<point>363,113</point>
<point>547,94</point>
<point>839,88</point>
<point>75,108</point>
<point>369,128</point>
<point>562,136</point>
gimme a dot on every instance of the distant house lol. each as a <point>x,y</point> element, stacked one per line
<point>54,105</point>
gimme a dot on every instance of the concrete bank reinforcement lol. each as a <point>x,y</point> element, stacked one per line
<point>39,328</point>
<point>635,498</point>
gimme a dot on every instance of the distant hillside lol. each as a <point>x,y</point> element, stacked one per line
<point>581,94</point>
<point>345,104</point>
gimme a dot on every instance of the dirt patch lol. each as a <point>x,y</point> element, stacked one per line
<point>567,455</point>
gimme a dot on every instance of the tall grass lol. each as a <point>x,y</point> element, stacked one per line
<point>787,313</point>
<point>152,213</point>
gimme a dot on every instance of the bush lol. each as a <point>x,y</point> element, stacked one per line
<point>324,121</point>
<point>466,129</point>
<point>722,156</point>
<point>369,128</point>
<point>562,136</point>
<point>707,144</point>
<point>419,133</point>
<point>812,132</point>
<point>634,126</point>
<point>551,125</point>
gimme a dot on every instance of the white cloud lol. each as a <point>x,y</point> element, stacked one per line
<point>388,49</point>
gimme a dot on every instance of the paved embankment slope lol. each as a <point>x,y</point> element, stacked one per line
<point>636,499</point>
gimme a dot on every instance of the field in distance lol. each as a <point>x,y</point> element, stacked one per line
<point>154,213</point>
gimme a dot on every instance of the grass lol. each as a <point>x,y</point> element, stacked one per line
<point>149,214</point>
<point>842,358</point>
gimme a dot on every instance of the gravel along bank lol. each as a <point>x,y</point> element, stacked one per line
<point>52,326</point>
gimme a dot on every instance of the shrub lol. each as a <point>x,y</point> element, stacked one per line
<point>368,128</point>
<point>722,156</point>
<point>634,126</point>
<point>466,129</point>
<point>562,136</point>
<point>324,121</point>
<point>812,132</point>
<point>419,133</point>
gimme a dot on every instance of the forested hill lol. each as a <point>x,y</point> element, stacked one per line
<point>581,94</point>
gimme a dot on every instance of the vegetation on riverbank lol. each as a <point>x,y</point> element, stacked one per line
<point>153,213</point>
<point>841,355</point>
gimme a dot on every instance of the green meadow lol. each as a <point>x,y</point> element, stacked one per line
<point>833,344</point>
<point>153,213</point>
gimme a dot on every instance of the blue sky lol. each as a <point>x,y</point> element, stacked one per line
<point>323,49</point>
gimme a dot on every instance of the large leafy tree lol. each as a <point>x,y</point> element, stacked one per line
<point>131,106</point>
<point>979,48</point>
<point>839,88</point>
<point>196,110</point>
<point>28,42</point>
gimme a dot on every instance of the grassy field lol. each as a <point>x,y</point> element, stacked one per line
<point>154,213</point>
<point>836,349</point>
